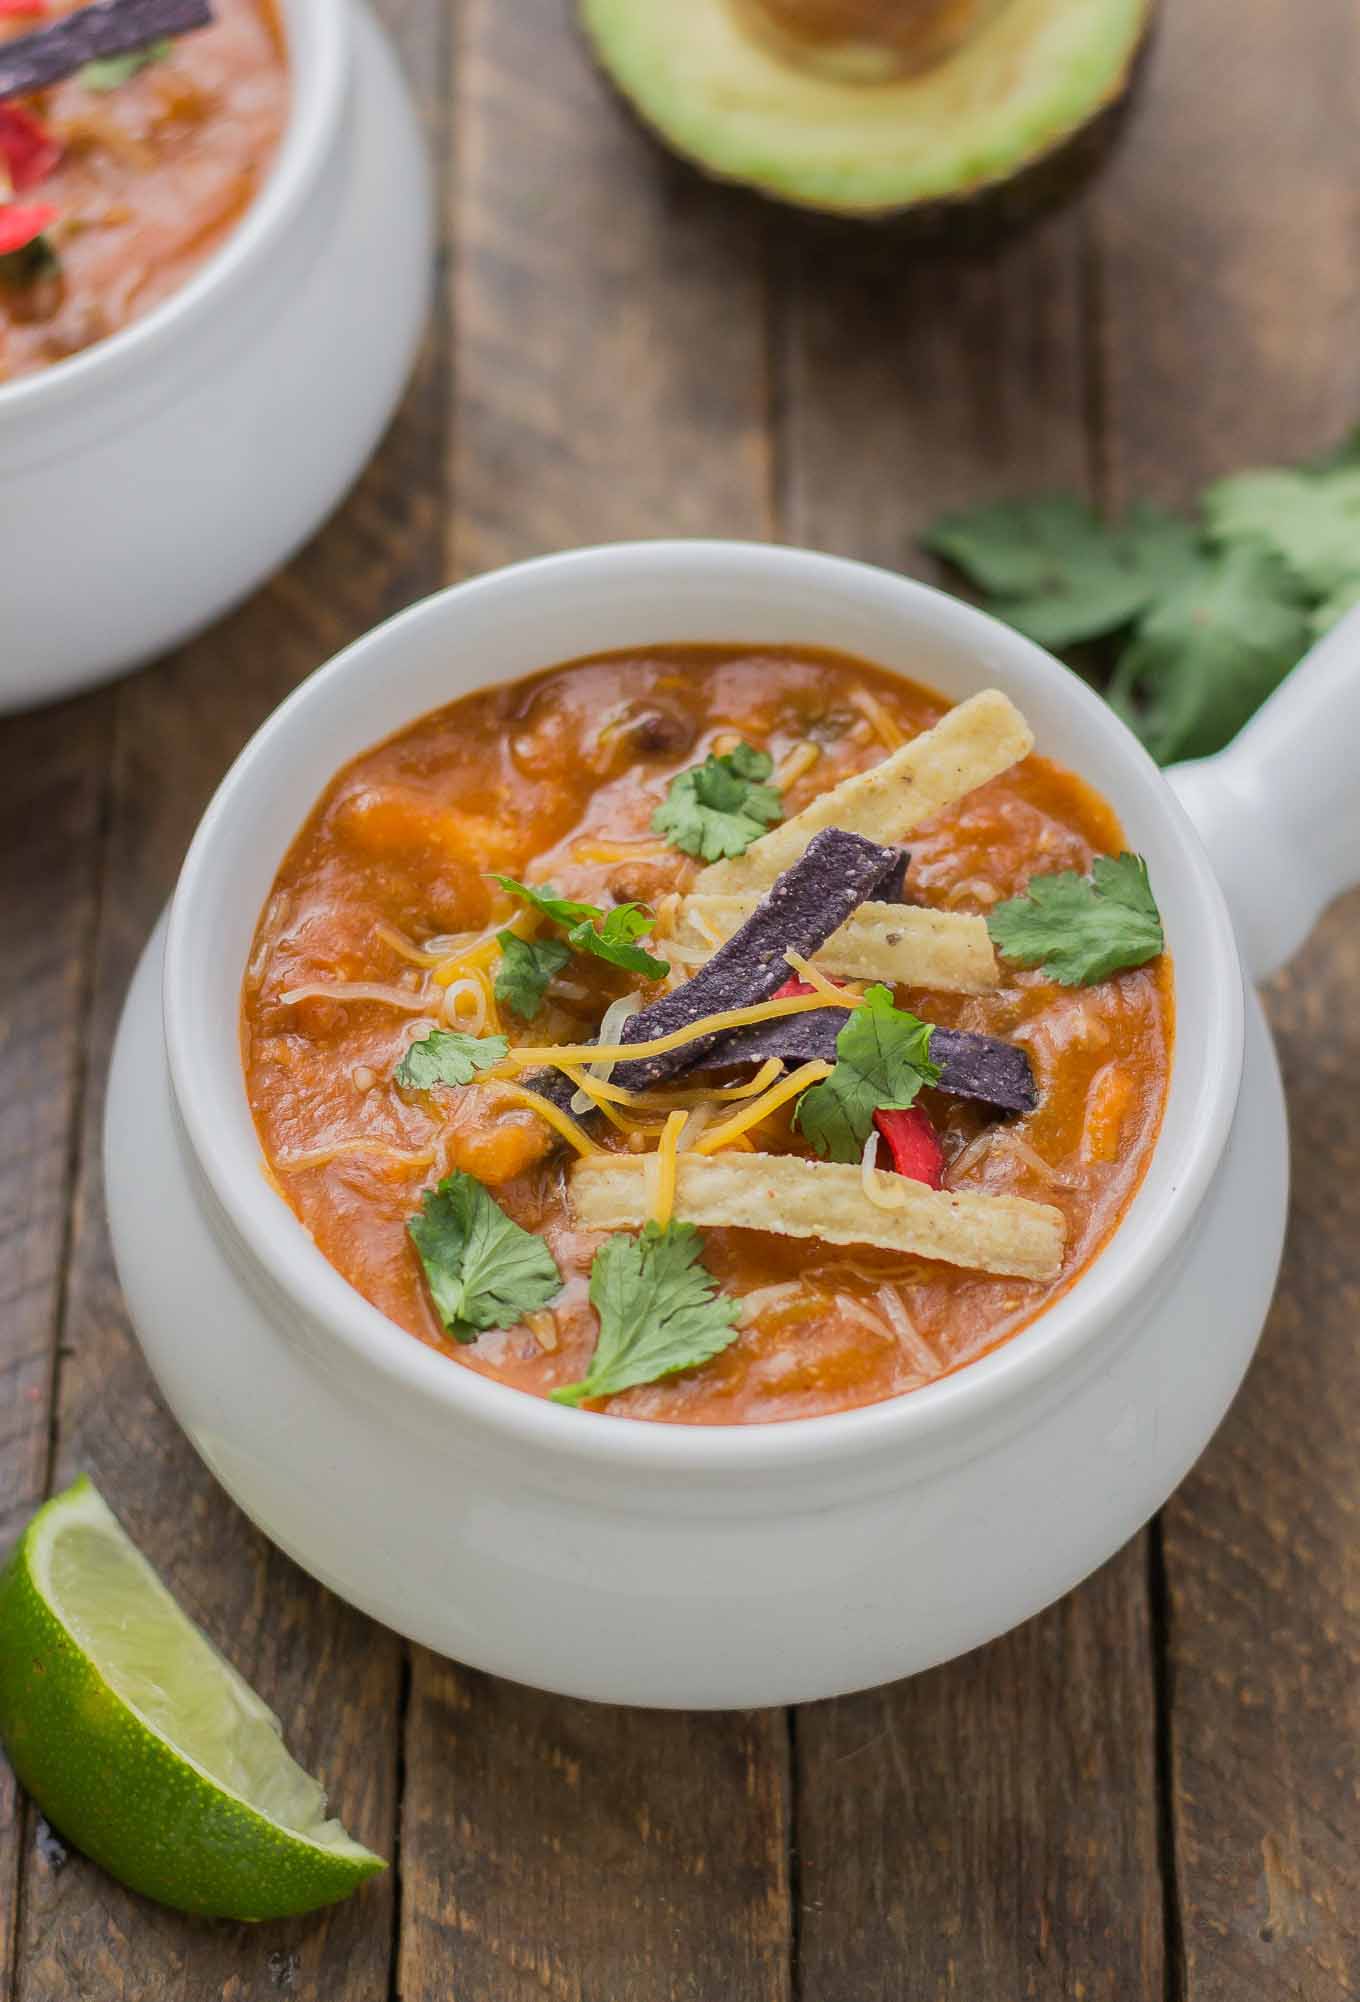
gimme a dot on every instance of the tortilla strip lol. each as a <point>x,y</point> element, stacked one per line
<point>902,944</point>
<point>975,742</point>
<point>980,1067</point>
<point>113,28</point>
<point>812,899</point>
<point>824,1199</point>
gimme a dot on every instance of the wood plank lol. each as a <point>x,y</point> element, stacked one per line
<point>175,730</point>
<point>1232,215</point>
<point>990,1829</point>
<point>52,776</point>
<point>609,313</point>
<point>589,1853</point>
<point>610,381</point>
<point>1226,239</point>
<point>909,386</point>
<point>1263,1563</point>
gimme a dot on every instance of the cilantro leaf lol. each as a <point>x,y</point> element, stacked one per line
<point>882,1061</point>
<point>1310,519</point>
<point>448,1056</point>
<point>482,1269</point>
<point>108,72</point>
<point>720,807</point>
<point>659,1312</point>
<point>527,965</point>
<point>1206,658</point>
<point>608,935</point>
<point>1078,928</point>
<point>1056,571</point>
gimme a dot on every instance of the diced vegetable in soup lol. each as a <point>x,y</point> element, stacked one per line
<point>119,178</point>
<point>710,1035</point>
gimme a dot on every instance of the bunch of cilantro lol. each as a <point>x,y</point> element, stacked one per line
<point>1194,623</point>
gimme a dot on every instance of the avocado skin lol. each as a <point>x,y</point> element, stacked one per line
<point>975,218</point>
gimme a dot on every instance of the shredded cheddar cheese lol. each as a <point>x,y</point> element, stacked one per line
<point>565,1054</point>
<point>606,1099</point>
<point>561,1122</point>
<point>885,726</point>
<point>663,1192</point>
<point>751,1115</point>
<point>815,978</point>
<point>379,1150</point>
<point>796,762</point>
<point>622,851</point>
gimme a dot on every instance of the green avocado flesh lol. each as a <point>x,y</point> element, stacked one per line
<point>1031,76</point>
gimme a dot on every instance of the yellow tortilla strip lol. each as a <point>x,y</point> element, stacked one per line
<point>899,943</point>
<point>826,1200</point>
<point>975,742</point>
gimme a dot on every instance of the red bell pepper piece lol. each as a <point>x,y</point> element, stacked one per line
<point>911,1139</point>
<point>21,226</point>
<point>914,1145</point>
<point>22,10</point>
<point>28,151</point>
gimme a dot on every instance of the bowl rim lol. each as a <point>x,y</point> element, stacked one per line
<point>321,30</point>
<point>963,1404</point>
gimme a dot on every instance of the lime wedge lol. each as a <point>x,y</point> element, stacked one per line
<point>141,1744</point>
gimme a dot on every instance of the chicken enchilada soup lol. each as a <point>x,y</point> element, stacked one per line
<point>120,173</point>
<point>710,1035</point>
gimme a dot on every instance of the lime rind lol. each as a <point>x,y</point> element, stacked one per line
<point>142,1744</point>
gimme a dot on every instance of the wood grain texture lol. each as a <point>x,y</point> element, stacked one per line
<point>610,380</point>
<point>174,730</point>
<point>911,385</point>
<point>52,778</point>
<point>1231,281</point>
<point>608,313</point>
<point>1226,236</point>
<point>987,1829</point>
<point>589,1854</point>
<point>991,1835</point>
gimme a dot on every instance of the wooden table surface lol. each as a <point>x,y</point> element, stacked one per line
<point>1149,1792</point>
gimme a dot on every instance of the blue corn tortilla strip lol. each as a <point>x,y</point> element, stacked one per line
<point>834,875</point>
<point>981,1067</point>
<point>893,888</point>
<point>105,28</point>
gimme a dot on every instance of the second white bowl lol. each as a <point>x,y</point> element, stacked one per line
<point>153,480</point>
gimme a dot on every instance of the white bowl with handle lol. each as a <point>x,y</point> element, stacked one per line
<point>152,480</point>
<point>716,1566</point>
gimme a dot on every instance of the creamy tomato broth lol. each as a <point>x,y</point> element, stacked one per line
<point>388,891</point>
<point>143,175</point>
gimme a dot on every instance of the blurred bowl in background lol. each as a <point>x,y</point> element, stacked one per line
<point>152,480</point>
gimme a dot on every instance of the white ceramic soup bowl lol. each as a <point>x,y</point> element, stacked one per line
<point>152,480</point>
<point>680,1565</point>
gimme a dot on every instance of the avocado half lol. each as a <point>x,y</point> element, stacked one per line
<point>1026,86</point>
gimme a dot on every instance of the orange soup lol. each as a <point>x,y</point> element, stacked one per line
<point>118,181</point>
<point>961,1085</point>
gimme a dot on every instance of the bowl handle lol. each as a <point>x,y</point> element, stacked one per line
<point>1279,810</point>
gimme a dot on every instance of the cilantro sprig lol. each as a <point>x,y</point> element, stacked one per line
<point>1080,929</point>
<point>882,1061</point>
<point>105,73</point>
<point>659,1311</point>
<point>1197,622</point>
<point>448,1056</point>
<point>527,966</point>
<point>483,1270</point>
<point>720,807</point>
<point>609,935</point>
